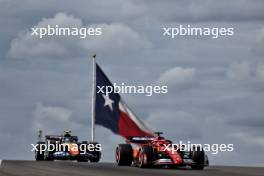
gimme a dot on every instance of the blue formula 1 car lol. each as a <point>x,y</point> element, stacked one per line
<point>67,147</point>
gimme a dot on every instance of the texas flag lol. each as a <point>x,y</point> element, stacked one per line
<point>112,113</point>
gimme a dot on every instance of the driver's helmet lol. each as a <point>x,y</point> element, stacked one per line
<point>67,133</point>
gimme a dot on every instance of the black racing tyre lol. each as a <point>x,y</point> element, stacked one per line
<point>96,154</point>
<point>39,156</point>
<point>97,158</point>
<point>48,154</point>
<point>145,156</point>
<point>198,156</point>
<point>82,158</point>
<point>124,155</point>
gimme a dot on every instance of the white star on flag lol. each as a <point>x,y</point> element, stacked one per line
<point>108,101</point>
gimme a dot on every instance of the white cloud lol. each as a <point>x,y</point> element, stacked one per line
<point>177,77</point>
<point>49,118</point>
<point>239,71</point>
<point>179,125</point>
<point>259,44</point>
<point>115,39</point>
<point>249,139</point>
<point>260,72</point>
<point>249,74</point>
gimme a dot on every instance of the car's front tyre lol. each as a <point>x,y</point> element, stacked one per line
<point>124,155</point>
<point>145,156</point>
<point>198,156</point>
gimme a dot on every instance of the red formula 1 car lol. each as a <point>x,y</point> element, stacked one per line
<point>157,151</point>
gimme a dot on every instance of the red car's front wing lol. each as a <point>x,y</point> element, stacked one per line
<point>181,162</point>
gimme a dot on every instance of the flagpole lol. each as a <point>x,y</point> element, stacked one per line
<point>93,97</point>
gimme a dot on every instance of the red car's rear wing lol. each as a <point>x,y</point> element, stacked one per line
<point>140,139</point>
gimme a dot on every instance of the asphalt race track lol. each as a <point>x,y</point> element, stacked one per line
<point>28,168</point>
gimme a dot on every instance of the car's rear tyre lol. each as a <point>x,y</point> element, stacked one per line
<point>198,156</point>
<point>97,157</point>
<point>145,156</point>
<point>48,154</point>
<point>96,154</point>
<point>39,155</point>
<point>48,157</point>
<point>124,155</point>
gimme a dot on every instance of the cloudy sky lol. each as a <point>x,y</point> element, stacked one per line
<point>216,86</point>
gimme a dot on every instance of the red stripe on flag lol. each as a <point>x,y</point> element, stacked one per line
<point>127,127</point>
